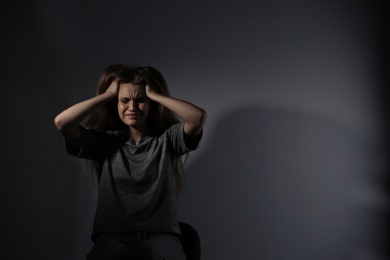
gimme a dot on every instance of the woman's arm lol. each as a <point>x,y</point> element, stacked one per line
<point>67,121</point>
<point>194,117</point>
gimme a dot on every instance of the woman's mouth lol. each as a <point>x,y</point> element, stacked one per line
<point>132,115</point>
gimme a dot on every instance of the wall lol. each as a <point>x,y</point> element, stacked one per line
<point>293,161</point>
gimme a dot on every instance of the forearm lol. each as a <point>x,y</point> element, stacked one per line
<point>72,116</point>
<point>193,116</point>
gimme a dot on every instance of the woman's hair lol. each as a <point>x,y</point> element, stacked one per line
<point>106,118</point>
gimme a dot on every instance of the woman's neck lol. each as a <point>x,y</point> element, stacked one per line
<point>138,133</point>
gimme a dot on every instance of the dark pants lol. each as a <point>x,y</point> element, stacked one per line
<point>137,246</point>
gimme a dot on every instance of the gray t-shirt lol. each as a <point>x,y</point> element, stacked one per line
<point>136,187</point>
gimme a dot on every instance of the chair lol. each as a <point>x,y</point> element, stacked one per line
<point>191,241</point>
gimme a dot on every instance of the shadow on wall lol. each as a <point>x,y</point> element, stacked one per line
<point>273,184</point>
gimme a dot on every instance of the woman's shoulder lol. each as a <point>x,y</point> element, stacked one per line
<point>173,129</point>
<point>104,135</point>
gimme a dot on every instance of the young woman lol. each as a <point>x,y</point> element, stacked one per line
<point>134,143</point>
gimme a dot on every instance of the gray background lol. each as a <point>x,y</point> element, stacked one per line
<point>293,162</point>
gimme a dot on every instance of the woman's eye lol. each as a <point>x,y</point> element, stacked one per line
<point>139,100</point>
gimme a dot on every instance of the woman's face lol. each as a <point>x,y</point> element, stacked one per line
<point>133,105</point>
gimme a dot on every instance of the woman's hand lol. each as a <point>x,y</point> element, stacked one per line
<point>113,88</point>
<point>151,91</point>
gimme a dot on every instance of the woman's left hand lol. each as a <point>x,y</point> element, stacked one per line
<point>151,90</point>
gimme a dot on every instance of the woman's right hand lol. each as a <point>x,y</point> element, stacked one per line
<point>113,88</point>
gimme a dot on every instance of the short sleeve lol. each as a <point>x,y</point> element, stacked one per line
<point>179,141</point>
<point>91,145</point>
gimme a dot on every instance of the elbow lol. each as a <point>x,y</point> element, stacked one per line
<point>195,126</point>
<point>59,123</point>
<point>69,130</point>
<point>202,118</point>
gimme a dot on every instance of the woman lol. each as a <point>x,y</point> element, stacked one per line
<point>135,145</point>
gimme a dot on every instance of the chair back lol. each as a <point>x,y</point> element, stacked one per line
<point>191,241</point>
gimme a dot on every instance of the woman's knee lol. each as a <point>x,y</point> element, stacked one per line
<point>158,248</point>
<point>108,248</point>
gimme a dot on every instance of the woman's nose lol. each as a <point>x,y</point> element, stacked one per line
<point>133,105</point>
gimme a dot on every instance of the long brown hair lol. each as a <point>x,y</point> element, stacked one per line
<point>160,118</point>
<point>106,117</point>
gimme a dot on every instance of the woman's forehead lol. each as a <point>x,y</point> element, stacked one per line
<point>131,90</point>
